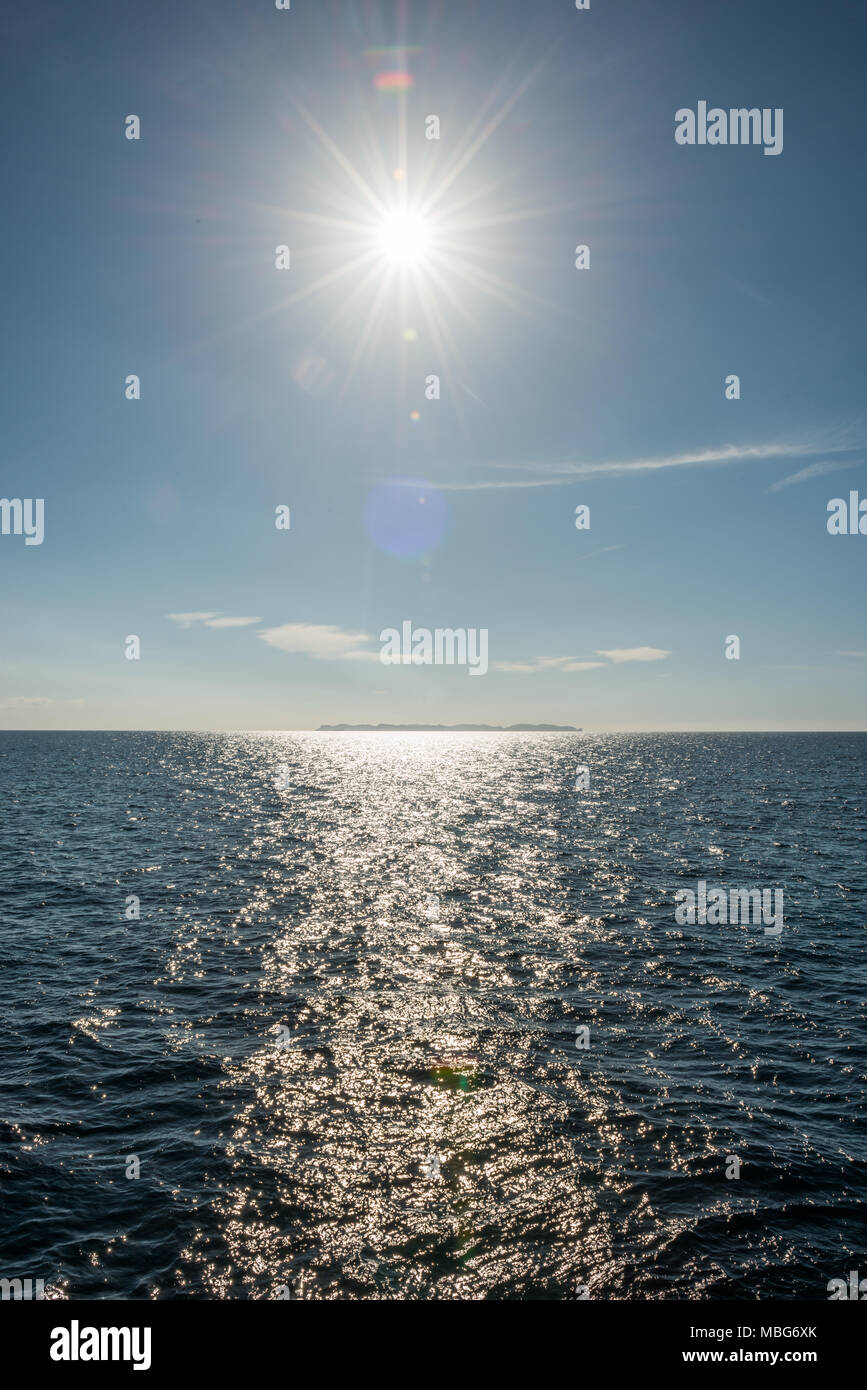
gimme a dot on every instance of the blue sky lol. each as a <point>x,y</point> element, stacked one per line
<point>559,387</point>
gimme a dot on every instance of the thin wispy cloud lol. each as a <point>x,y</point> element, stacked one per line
<point>621,654</point>
<point>232,622</point>
<point>815,470</point>
<point>604,550</point>
<point>36,701</point>
<point>210,620</point>
<point>616,655</point>
<point>322,642</point>
<point>491,484</point>
<point>750,290</point>
<point>550,474</point>
<point>547,663</point>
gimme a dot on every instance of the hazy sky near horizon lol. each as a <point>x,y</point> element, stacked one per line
<point>560,387</point>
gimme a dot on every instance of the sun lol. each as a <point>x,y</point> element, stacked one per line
<point>403,237</point>
<point>429,248</point>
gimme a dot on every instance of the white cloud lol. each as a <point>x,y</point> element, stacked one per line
<point>621,654</point>
<point>27,701</point>
<point>323,642</point>
<point>187,619</point>
<point>617,655</point>
<point>547,663</point>
<point>231,622</point>
<point>210,620</point>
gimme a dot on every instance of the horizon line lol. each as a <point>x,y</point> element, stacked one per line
<point>407,729</point>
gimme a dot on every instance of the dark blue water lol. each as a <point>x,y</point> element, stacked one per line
<point>334,1087</point>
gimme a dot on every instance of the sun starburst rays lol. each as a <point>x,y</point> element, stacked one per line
<point>429,243</point>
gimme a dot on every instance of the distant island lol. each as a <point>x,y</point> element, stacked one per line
<point>447,729</point>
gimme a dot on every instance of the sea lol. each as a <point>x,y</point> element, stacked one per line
<point>412,1016</point>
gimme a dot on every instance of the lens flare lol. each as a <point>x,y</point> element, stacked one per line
<point>393,81</point>
<point>405,516</point>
